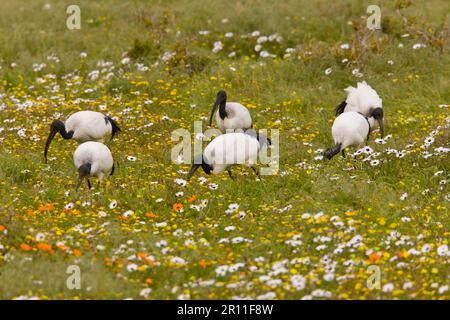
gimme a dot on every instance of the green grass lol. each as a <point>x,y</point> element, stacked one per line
<point>289,93</point>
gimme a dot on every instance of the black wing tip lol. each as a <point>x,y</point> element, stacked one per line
<point>340,108</point>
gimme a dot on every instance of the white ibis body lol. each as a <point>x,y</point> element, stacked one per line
<point>230,149</point>
<point>92,159</point>
<point>365,100</point>
<point>83,126</point>
<point>231,115</point>
<point>349,129</point>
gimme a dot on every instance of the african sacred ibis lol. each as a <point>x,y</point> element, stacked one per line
<point>230,149</point>
<point>83,126</point>
<point>365,100</point>
<point>351,129</point>
<point>92,159</point>
<point>231,115</point>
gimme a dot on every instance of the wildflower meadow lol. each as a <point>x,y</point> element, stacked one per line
<point>372,225</point>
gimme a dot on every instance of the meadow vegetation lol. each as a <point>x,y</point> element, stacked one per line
<point>309,231</point>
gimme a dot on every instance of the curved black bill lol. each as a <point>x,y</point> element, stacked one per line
<point>192,171</point>
<point>213,111</point>
<point>51,135</point>
<point>381,123</point>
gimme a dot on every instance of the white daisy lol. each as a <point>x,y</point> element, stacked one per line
<point>113,204</point>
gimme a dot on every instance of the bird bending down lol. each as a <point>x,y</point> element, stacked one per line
<point>365,100</point>
<point>230,149</point>
<point>92,159</point>
<point>83,126</point>
<point>231,115</point>
<point>350,129</point>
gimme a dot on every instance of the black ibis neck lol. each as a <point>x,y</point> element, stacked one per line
<point>206,167</point>
<point>59,126</point>
<point>65,134</point>
<point>368,123</point>
<point>85,169</point>
<point>222,111</point>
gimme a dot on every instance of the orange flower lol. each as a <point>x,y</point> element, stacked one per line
<point>150,215</point>
<point>2,228</point>
<point>63,247</point>
<point>25,247</point>
<point>374,257</point>
<point>192,198</point>
<point>77,253</point>
<point>178,207</point>
<point>44,247</point>
<point>149,281</point>
<point>50,207</point>
<point>29,212</point>
<point>142,255</point>
<point>42,207</point>
<point>203,263</point>
<point>403,254</point>
<point>108,262</point>
<point>150,262</point>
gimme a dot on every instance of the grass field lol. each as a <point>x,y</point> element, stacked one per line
<point>312,230</point>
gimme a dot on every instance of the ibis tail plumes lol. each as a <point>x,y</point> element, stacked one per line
<point>83,126</point>
<point>231,115</point>
<point>227,150</point>
<point>365,100</point>
<point>92,159</point>
<point>340,108</point>
<point>350,129</point>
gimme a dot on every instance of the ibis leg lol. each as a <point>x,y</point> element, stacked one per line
<point>78,184</point>
<point>256,172</point>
